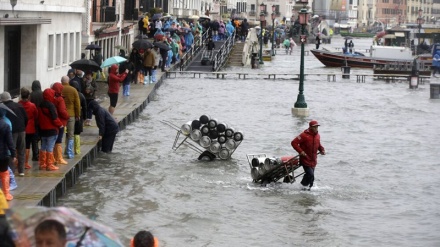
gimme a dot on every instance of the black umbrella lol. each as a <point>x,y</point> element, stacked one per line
<point>93,47</point>
<point>142,44</point>
<point>85,64</point>
<point>162,46</point>
<point>141,36</point>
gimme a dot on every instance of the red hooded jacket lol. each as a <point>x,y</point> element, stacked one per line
<point>32,113</point>
<point>310,143</point>
<point>47,115</point>
<point>114,79</point>
<point>59,103</point>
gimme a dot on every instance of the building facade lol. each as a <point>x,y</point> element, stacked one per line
<point>39,41</point>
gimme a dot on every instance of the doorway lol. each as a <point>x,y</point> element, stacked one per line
<point>12,59</point>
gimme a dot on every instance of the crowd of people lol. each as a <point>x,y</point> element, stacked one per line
<point>33,128</point>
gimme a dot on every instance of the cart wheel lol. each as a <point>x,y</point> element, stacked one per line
<point>288,179</point>
<point>207,156</point>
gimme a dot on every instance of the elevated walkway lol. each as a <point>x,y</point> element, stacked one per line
<point>207,65</point>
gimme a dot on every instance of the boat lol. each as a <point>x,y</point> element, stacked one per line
<point>382,59</point>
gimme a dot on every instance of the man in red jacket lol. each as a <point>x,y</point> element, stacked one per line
<point>307,144</point>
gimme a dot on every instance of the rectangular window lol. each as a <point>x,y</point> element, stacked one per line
<point>71,50</point>
<point>50,49</point>
<point>58,50</point>
<point>65,48</point>
<point>77,47</point>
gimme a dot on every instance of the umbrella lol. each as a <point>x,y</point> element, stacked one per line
<point>93,47</point>
<point>166,16</point>
<point>162,45</point>
<point>142,44</point>
<point>141,36</point>
<point>3,106</point>
<point>85,64</point>
<point>80,231</point>
<point>157,16</point>
<point>113,60</point>
<point>195,17</point>
<point>204,17</point>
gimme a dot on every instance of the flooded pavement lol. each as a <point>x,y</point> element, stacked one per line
<point>377,185</point>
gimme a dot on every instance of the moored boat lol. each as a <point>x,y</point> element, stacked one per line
<point>388,55</point>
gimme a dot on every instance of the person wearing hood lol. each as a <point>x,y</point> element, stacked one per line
<point>436,63</point>
<point>108,128</point>
<point>244,30</point>
<point>63,115</point>
<point>114,80</point>
<point>7,152</point>
<point>229,29</point>
<point>50,126</point>
<point>36,97</point>
<point>19,120</point>
<point>307,144</point>
<point>32,113</point>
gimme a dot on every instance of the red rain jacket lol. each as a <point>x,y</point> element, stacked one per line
<point>59,103</point>
<point>32,113</point>
<point>114,79</point>
<point>310,143</point>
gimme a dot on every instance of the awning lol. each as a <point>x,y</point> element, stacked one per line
<point>24,21</point>
<point>399,34</point>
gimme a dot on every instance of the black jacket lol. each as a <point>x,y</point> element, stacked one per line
<point>105,122</point>
<point>20,119</point>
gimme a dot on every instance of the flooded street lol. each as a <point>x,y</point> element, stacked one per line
<point>377,185</point>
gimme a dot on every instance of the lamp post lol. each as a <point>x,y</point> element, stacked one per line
<point>273,29</point>
<point>420,21</point>
<point>262,19</point>
<point>300,108</point>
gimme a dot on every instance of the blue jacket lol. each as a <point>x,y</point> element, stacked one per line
<point>7,148</point>
<point>436,60</point>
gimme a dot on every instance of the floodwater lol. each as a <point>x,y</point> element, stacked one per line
<point>377,185</point>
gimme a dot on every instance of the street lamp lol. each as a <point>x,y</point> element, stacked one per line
<point>273,29</point>
<point>420,21</point>
<point>262,19</point>
<point>300,107</point>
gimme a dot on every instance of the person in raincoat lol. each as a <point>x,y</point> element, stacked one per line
<point>286,44</point>
<point>7,152</point>
<point>307,144</point>
<point>114,80</point>
<point>229,29</point>
<point>189,40</point>
<point>108,128</point>
<point>436,63</point>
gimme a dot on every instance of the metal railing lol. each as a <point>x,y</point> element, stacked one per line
<point>188,57</point>
<point>222,55</point>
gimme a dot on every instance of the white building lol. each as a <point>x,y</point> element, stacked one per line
<point>41,39</point>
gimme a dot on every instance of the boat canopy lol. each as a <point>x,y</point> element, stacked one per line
<point>389,36</point>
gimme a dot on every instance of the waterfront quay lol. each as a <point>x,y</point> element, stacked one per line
<point>42,188</point>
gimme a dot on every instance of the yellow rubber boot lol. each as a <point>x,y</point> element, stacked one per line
<point>77,144</point>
